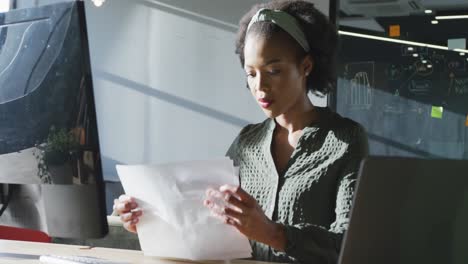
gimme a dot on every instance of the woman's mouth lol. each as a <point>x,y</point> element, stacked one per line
<point>265,103</point>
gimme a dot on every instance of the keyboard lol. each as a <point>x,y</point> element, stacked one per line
<point>56,259</point>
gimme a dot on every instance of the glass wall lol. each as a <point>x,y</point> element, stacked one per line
<point>403,74</point>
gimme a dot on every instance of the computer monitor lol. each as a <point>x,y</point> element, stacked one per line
<point>50,165</point>
<point>408,210</point>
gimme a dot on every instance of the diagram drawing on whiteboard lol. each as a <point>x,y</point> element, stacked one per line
<point>361,84</point>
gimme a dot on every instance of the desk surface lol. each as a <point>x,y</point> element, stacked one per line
<point>29,252</point>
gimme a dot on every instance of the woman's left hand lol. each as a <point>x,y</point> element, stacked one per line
<point>245,214</point>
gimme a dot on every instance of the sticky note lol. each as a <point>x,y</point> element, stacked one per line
<point>466,122</point>
<point>394,31</point>
<point>459,43</point>
<point>437,111</point>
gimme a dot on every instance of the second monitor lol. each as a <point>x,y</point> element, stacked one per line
<point>49,143</point>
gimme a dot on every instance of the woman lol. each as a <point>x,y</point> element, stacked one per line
<point>298,168</point>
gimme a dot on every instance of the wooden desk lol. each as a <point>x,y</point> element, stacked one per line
<point>8,248</point>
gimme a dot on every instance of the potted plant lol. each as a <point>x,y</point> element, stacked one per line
<point>57,156</point>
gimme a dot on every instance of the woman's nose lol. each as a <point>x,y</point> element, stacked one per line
<point>261,84</point>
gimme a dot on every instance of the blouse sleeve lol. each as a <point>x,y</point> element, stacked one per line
<point>233,151</point>
<point>307,242</point>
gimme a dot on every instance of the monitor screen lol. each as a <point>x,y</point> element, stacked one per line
<point>49,143</point>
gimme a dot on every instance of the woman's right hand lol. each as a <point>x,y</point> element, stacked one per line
<point>129,212</point>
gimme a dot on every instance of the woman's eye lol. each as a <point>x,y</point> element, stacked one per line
<point>249,74</point>
<point>273,72</point>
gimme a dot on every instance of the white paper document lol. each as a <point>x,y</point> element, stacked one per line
<point>175,224</point>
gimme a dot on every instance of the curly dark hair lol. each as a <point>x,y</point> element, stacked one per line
<point>320,33</point>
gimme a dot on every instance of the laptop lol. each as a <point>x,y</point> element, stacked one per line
<point>408,210</point>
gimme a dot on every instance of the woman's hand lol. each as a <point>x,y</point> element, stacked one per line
<point>129,212</point>
<point>243,212</point>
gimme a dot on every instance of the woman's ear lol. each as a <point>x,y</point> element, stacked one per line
<point>307,65</point>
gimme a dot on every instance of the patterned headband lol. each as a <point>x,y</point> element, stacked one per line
<point>285,21</point>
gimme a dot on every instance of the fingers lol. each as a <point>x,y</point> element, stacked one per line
<point>129,212</point>
<point>124,204</point>
<point>215,209</point>
<point>239,192</point>
<point>212,193</point>
<point>131,217</point>
<point>233,213</point>
<point>224,198</point>
<point>234,201</point>
<point>130,226</point>
<point>126,198</point>
<point>225,214</point>
<point>232,209</point>
<point>233,222</point>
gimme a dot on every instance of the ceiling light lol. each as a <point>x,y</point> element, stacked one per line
<point>451,17</point>
<point>415,55</point>
<point>428,11</point>
<point>410,48</point>
<point>429,66</point>
<point>424,61</point>
<point>98,3</point>
<point>406,42</point>
<point>462,53</point>
<point>434,22</point>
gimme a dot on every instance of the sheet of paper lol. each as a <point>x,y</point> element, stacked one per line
<point>175,224</point>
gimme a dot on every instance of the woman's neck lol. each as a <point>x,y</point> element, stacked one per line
<point>299,116</point>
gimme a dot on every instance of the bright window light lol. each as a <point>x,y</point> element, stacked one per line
<point>4,6</point>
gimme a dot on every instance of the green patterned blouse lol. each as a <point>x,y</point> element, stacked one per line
<point>313,197</point>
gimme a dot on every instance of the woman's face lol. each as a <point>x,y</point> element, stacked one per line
<point>276,76</point>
